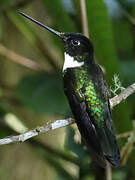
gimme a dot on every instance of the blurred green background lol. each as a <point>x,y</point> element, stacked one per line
<point>32,93</point>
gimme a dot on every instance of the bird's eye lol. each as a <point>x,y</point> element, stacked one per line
<point>75,42</point>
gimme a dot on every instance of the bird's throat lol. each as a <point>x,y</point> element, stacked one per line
<point>70,62</point>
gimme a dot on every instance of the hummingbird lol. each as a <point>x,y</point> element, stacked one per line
<point>88,96</point>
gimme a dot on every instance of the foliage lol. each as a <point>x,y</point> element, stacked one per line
<point>35,92</point>
<point>37,96</point>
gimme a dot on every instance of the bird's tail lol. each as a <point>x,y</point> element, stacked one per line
<point>109,145</point>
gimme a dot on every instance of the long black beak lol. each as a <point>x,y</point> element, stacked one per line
<point>44,26</point>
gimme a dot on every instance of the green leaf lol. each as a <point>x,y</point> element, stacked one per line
<point>101,34</point>
<point>128,71</point>
<point>43,93</point>
<point>121,30</point>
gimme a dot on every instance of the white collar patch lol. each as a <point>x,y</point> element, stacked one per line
<point>70,62</point>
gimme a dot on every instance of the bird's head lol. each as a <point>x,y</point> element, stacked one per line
<point>75,44</point>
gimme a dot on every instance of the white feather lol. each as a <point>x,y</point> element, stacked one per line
<point>70,62</point>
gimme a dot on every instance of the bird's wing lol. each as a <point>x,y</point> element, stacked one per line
<point>85,126</point>
<point>100,116</point>
<point>108,139</point>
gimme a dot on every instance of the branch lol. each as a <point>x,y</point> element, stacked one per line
<point>84,18</point>
<point>43,48</point>
<point>123,95</point>
<point>108,171</point>
<point>124,135</point>
<point>61,123</point>
<point>19,59</point>
<point>39,130</point>
<point>127,149</point>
